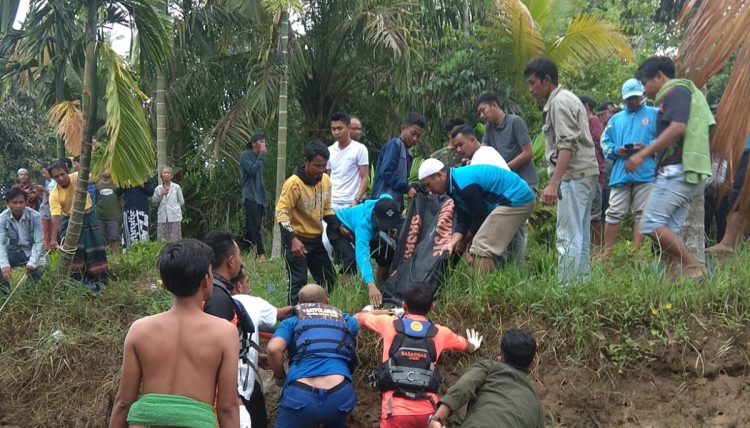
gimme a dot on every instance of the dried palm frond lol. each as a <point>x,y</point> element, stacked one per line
<point>715,31</point>
<point>67,119</point>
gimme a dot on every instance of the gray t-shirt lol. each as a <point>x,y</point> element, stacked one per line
<point>507,139</point>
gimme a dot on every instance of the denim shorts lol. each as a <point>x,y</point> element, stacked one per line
<point>669,203</point>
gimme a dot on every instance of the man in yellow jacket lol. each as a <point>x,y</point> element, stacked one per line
<point>305,200</point>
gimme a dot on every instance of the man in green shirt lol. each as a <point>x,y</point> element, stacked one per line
<point>498,393</point>
<point>109,211</point>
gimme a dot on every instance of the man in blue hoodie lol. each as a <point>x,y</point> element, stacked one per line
<point>395,160</point>
<point>491,204</point>
<point>362,224</point>
<point>627,132</point>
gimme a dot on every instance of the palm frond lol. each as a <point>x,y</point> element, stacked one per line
<point>67,119</point>
<point>129,154</point>
<point>153,27</point>
<point>513,39</point>
<point>588,39</point>
<point>714,33</point>
<point>8,10</point>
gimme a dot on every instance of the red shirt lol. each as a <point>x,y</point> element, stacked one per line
<point>444,340</point>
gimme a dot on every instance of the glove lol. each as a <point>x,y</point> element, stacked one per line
<point>473,337</point>
<point>367,308</point>
<point>398,312</point>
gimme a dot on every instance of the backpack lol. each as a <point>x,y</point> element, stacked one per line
<point>322,331</point>
<point>410,370</point>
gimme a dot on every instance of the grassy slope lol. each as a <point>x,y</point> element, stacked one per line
<point>624,315</point>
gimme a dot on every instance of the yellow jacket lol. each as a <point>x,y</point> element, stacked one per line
<point>302,206</point>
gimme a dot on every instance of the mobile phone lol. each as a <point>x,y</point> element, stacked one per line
<point>628,146</point>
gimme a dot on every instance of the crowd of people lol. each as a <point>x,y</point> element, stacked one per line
<point>36,221</point>
<point>187,365</point>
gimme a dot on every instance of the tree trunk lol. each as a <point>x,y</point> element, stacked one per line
<point>281,156</point>
<point>161,121</point>
<point>89,116</point>
<point>60,86</point>
<point>693,230</point>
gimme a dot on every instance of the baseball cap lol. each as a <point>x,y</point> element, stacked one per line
<point>430,166</point>
<point>632,88</point>
<point>387,214</point>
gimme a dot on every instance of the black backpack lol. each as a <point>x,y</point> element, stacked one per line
<point>410,370</point>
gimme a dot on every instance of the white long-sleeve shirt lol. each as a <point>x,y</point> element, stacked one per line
<point>170,205</point>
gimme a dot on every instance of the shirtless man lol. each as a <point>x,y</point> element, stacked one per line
<point>321,344</point>
<point>182,360</point>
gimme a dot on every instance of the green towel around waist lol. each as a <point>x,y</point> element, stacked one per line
<point>172,411</point>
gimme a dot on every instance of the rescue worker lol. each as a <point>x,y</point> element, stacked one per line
<point>408,378</point>
<point>321,345</point>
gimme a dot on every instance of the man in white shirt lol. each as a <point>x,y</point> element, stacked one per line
<point>348,165</point>
<point>349,169</point>
<point>469,148</point>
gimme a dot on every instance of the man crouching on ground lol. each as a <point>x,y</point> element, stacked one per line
<point>181,360</point>
<point>321,344</point>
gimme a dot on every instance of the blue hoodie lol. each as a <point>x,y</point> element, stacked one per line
<point>630,128</point>
<point>359,221</point>
<point>479,189</point>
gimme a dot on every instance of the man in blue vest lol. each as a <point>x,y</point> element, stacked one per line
<point>395,160</point>
<point>363,224</point>
<point>491,204</point>
<point>320,341</point>
<point>627,132</point>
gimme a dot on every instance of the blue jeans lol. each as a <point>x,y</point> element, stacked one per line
<point>574,228</point>
<point>302,406</point>
<point>668,204</point>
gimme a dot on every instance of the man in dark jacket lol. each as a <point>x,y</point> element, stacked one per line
<point>394,161</point>
<point>254,196</point>
<point>498,392</point>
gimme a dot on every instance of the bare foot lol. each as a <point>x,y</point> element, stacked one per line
<point>694,272</point>
<point>720,248</point>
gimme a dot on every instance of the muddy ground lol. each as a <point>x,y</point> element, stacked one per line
<point>702,382</point>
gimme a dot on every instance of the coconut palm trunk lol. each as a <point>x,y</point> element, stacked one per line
<point>693,230</point>
<point>60,87</point>
<point>89,114</point>
<point>161,120</point>
<point>282,135</point>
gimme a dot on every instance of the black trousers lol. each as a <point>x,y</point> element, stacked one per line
<point>316,261</point>
<point>719,202</point>
<point>345,249</point>
<point>256,407</point>
<point>253,222</point>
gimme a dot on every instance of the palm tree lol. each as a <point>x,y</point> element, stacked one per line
<point>129,153</point>
<point>524,29</point>
<point>38,57</point>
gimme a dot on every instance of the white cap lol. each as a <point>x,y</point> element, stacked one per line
<point>430,166</point>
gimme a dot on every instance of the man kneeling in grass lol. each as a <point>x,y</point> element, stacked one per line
<point>497,392</point>
<point>182,360</point>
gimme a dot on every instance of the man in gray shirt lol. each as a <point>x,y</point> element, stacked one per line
<point>21,239</point>
<point>508,134</point>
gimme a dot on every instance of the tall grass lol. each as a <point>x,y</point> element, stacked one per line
<point>624,313</point>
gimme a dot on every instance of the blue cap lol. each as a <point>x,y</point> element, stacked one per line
<point>632,88</point>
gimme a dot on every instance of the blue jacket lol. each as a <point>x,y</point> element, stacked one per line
<point>630,128</point>
<point>392,171</point>
<point>479,189</point>
<point>359,221</point>
<point>251,171</point>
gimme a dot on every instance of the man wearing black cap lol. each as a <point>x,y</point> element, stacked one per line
<point>363,225</point>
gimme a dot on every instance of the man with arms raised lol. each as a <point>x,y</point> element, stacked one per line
<point>320,341</point>
<point>183,360</point>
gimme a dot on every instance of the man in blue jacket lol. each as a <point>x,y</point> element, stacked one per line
<point>627,132</point>
<point>491,205</point>
<point>395,160</point>
<point>362,224</point>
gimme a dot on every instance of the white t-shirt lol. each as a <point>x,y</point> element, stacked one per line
<point>487,155</point>
<point>263,315</point>
<point>344,165</point>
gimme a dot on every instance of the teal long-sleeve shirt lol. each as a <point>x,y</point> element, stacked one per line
<point>360,222</point>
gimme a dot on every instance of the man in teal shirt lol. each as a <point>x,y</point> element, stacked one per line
<point>362,225</point>
<point>254,196</point>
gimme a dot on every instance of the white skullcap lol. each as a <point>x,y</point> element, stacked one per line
<point>20,170</point>
<point>430,166</point>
